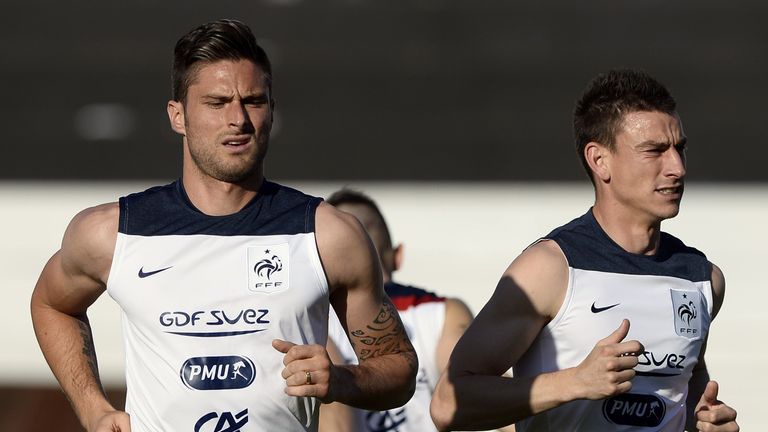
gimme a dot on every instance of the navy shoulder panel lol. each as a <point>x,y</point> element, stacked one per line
<point>587,247</point>
<point>405,296</point>
<point>166,210</point>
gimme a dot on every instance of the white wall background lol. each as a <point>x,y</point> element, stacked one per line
<point>459,238</point>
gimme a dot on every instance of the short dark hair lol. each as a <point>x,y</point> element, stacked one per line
<point>350,196</point>
<point>607,98</point>
<point>224,39</point>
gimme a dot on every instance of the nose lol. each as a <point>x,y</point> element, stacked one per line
<point>237,114</point>
<point>675,162</point>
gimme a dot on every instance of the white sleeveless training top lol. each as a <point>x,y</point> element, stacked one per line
<point>667,298</point>
<point>423,315</point>
<point>204,296</point>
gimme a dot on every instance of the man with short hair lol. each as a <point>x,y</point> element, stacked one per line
<point>433,323</point>
<point>561,313</point>
<point>223,277</point>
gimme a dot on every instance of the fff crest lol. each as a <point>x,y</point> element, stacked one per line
<point>268,268</point>
<point>687,308</point>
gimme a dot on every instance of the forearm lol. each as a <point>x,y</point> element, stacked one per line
<point>475,402</point>
<point>67,344</point>
<point>378,383</point>
<point>336,417</point>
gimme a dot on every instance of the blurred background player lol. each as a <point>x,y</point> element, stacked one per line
<point>433,323</point>
<point>561,313</point>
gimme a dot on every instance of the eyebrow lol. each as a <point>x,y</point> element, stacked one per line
<point>221,98</point>
<point>256,97</point>
<point>655,144</point>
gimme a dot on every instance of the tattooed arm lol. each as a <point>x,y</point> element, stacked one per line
<point>70,282</point>
<point>385,375</point>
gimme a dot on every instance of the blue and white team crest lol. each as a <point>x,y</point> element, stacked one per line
<point>687,309</point>
<point>268,268</point>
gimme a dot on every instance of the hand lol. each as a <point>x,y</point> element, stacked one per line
<point>112,421</point>
<point>608,369</point>
<point>308,370</point>
<point>712,414</point>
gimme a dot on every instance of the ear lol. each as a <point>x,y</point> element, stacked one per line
<point>176,117</point>
<point>598,158</point>
<point>397,257</point>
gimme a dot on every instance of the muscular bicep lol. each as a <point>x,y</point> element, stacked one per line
<point>66,292</point>
<point>357,295</point>
<point>76,275</point>
<point>526,298</point>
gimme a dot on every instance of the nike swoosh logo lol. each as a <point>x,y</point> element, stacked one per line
<point>143,274</point>
<point>601,309</point>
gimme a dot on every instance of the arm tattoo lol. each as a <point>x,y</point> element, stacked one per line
<point>89,351</point>
<point>385,335</point>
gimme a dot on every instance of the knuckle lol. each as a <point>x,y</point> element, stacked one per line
<point>325,364</point>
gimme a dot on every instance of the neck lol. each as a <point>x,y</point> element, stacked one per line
<point>631,231</point>
<point>219,198</point>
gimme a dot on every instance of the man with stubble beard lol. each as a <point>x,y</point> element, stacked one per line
<point>223,277</point>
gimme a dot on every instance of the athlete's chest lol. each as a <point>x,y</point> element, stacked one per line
<point>670,316</point>
<point>216,284</point>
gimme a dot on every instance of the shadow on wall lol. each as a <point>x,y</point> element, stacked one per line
<point>32,409</point>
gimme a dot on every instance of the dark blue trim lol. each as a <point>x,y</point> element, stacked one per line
<point>656,374</point>
<point>395,290</point>
<point>588,247</point>
<point>217,334</point>
<point>166,210</point>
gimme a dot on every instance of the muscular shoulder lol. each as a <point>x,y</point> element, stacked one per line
<point>526,298</point>
<point>541,273</point>
<point>337,227</point>
<point>89,241</point>
<point>345,249</point>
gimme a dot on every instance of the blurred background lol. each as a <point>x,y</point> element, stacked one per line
<point>455,116</point>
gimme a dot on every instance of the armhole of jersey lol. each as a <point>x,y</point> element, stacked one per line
<point>709,289</point>
<point>566,304</point>
<point>440,317</point>
<point>114,267</point>
<point>313,251</point>
<point>117,253</point>
<point>709,296</point>
<point>317,264</point>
